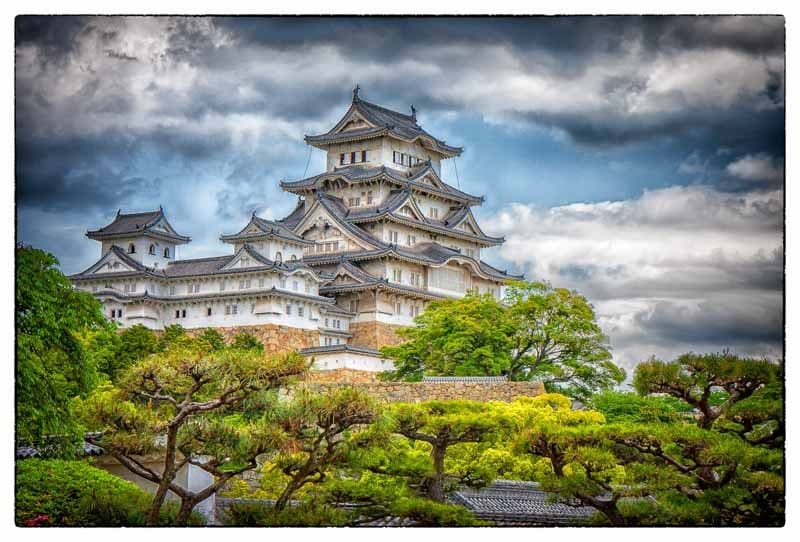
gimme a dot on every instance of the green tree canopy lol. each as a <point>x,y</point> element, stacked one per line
<point>556,340</point>
<point>464,337</point>
<point>537,333</point>
<point>246,341</point>
<point>188,404</point>
<point>51,363</point>
<point>694,377</point>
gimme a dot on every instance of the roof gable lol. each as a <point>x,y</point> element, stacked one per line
<point>322,215</point>
<point>247,258</point>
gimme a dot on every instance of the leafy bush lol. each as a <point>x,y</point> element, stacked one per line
<point>246,341</point>
<point>73,493</point>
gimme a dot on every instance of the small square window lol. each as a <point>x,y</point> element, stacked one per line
<point>208,311</point>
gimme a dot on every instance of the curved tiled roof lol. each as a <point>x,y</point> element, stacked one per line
<point>384,121</point>
<point>359,173</point>
<point>137,268</point>
<point>268,228</point>
<point>135,223</point>
<point>340,348</point>
<point>512,502</point>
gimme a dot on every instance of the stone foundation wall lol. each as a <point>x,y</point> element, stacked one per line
<point>414,392</point>
<point>275,338</point>
<point>374,334</point>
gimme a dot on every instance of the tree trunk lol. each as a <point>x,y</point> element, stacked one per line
<point>166,477</point>
<point>158,501</point>
<point>436,482</point>
<point>185,511</point>
<point>286,494</point>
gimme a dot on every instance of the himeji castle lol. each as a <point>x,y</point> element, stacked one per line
<point>371,241</point>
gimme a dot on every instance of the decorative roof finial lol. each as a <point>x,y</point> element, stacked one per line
<point>355,92</point>
<point>413,113</point>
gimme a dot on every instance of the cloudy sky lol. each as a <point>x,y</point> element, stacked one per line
<point>639,161</point>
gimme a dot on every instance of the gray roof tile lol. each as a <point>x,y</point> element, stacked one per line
<point>399,124</point>
<point>515,502</point>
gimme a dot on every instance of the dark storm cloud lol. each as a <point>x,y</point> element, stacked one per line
<point>719,321</point>
<point>391,37</point>
<point>75,173</point>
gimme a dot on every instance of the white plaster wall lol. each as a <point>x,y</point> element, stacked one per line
<point>372,146</point>
<point>142,255</point>
<point>390,145</point>
<point>351,360</point>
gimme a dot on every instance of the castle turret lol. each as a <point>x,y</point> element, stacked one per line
<point>145,237</point>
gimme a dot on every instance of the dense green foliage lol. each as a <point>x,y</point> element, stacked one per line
<point>537,333</point>
<point>185,404</point>
<point>464,337</point>
<point>52,366</point>
<point>747,391</point>
<point>73,493</point>
<point>246,341</point>
<point>556,340</point>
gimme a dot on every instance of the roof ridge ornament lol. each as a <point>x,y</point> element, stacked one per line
<point>413,113</point>
<point>355,92</point>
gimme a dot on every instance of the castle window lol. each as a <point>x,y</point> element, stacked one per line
<point>295,285</point>
<point>119,313</point>
<point>326,322</point>
<point>288,310</point>
<point>341,159</point>
<point>208,311</point>
<point>183,313</point>
<point>131,248</point>
<point>412,239</point>
<point>152,249</point>
<point>300,311</point>
<point>353,157</point>
<point>260,283</point>
<point>227,309</point>
<point>337,341</point>
<point>395,157</point>
<point>245,262</point>
<point>166,252</point>
<point>363,156</point>
<point>222,285</point>
<point>354,305</point>
<point>397,275</point>
<point>177,313</point>
<point>433,212</point>
<point>470,253</point>
<point>398,308</point>
<point>354,202</point>
<point>113,313</point>
<point>278,257</point>
<point>393,236</point>
<point>293,258</point>
<point>283,282</point>
<point>308,287</point>
<point>235,309</point>
<point>369,197</point>
<point>172,290</point>
<point>252,308</point>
